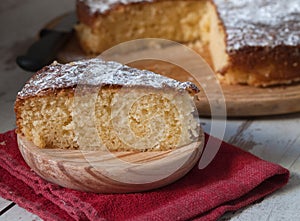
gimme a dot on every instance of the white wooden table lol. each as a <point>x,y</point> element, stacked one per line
<point>276,139</point>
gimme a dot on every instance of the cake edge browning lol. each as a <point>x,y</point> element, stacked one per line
<point>281,66</point>
<point>260,66</point>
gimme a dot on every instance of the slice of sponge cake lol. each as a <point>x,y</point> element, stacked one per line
<point>132,110</point>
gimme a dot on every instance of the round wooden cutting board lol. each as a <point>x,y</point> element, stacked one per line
<point>240,100</point>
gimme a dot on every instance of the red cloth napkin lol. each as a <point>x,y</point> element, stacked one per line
<point>233,180</point>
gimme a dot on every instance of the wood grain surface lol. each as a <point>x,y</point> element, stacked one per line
<point>108,172</point>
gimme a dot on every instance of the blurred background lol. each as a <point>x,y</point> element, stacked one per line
<point>20,22</point>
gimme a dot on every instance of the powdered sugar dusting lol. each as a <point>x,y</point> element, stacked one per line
<point>101,6</point>
<point>96,72</point>
<point>260,23</point>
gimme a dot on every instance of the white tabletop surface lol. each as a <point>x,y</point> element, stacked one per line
<point>276,139</point>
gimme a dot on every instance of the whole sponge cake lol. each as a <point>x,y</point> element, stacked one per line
<point>255,42</point>
<point>72,106</point>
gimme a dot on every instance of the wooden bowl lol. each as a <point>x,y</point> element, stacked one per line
<point>111,172</point>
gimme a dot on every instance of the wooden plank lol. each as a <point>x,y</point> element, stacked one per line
<point>4,203</point>
<point>278,140</point>
<point>18,213</point>
<point>283,206</point>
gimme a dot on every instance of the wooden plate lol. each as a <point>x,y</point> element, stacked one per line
<point>105,172</point>
<point>241,100</point>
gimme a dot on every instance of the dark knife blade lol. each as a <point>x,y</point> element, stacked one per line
<point>44,51</point>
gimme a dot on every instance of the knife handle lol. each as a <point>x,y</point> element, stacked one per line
<point>42,52</point>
